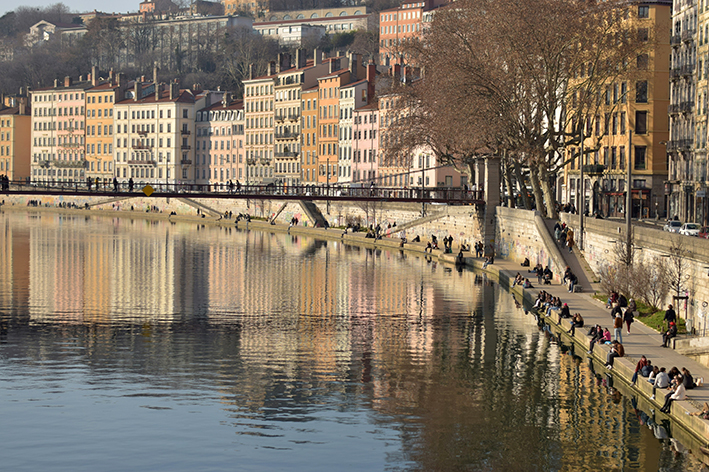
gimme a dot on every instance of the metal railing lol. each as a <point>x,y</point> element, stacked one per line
<point>449,195</point>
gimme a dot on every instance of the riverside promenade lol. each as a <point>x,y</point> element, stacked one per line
<point>642,340</point>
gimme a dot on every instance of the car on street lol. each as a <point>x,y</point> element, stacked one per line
<point>704,232</point>
<point>673,226</point>
<point>690,229</point>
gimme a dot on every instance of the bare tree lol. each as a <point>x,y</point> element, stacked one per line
<point>535,76</point>
<point>677,267</point>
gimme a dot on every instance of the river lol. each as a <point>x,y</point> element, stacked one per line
<point>138,345</point>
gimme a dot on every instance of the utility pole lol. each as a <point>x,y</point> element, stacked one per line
<point>629,202</point>
<point>582,198</point>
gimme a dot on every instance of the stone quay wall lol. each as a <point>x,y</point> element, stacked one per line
<point>463,223</point>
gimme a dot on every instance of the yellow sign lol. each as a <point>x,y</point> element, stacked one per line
<point>148,190</point>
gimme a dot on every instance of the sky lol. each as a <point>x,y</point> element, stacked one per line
<point>79,6</point>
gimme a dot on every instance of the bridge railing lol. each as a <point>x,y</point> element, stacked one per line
<point>336,192</point>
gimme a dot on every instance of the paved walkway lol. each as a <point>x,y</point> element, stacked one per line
<point>641,341</point>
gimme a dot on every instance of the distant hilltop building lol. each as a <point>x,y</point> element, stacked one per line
<point>44,31</point>
<point>291,27</point>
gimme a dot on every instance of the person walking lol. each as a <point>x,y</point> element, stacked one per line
<point>670,315</point>
<point>618,328</point>
<point>629,315</point>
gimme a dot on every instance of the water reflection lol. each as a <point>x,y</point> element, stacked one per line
<point>211,345</point>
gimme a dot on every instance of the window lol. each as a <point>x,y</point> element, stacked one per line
<point>643,11</point>
<point>640,158</point>
<point>643,60</point>
<point>184,113</point>
<point>641,91</point>
<point>640,122</point>
<point>643,34</point>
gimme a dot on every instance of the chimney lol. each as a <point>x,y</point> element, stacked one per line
<point>300,58</point>
<point>94,76</point>
<point>120,79</point>
<point>158,91</point>
<point>67,81</point>
<point>155,74</point>
<point>137,91</point>
<point>226,100</point>
<point>110,76</point>
<point>317,56</point>
<point>174,89</point>
<point>371,77</point>
<point>271,68</point>
<point>23,105</point>
<point>81,78</point>
<point>283,62</point>
<point>252,71</point>
<point>334,64</point>
<point>396,71</point>
<point>56,83</point>
<point>354,64</point>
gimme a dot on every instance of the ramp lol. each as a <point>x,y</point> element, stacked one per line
<point>275,215</point>
<point>314,213</point>
<point>110,200</point>
<point>421,221</point>
<point>574,259</point>
<point>199,206</point>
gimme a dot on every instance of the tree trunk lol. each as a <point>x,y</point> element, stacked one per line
<point>522,186</point>
<point>548,195</point>
<point>536,188</point>
<point>507,172</point>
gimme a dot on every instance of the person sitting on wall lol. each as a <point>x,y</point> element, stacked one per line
<point>525,262</point>
<point>538,269</point>
<point>417,239</point>
<point>489,260</point>
<point>576,322</point>
<point>527,284</point>
<point>669,334</point>
<point>547,275</point>
<point>460,259</point>
<point>617,350</point>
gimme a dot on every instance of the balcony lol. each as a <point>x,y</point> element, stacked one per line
<point>142,163</point>
<point>185,147</point>
<point>142,132</point>
<point>594,169</point>
<point>686,144</point>
<point>251,161</point>
<point>280,118</point>
<point>675,40</point>
<point>44,164</point>
<point>675,73</point>
<point>186,162</point>
<point>687,70</point>
<point>185,132</point>
<point>672,146</point>
<point>688,35</point>
<point>686,107</point>
<point>294,117</point>
<point>673,109</point>
<point>142,146</point>
<point>72,164</point>
<point>286,154</point>
<point>287,135</point>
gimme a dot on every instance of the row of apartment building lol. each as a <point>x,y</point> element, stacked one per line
<point>306,122</point>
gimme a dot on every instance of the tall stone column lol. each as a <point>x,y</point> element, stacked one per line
<point>491,186</point>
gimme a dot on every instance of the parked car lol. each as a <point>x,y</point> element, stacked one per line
<point>672,226</point>
<point>690,229</point>
<point>704,232</point>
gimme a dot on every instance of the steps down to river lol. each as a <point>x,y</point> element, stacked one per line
<point>314,214</point>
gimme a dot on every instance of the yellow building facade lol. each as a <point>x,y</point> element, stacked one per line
<point>636,104</point>
<point>15,139</point>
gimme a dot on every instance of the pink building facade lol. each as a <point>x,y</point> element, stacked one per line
<point>365,144</point>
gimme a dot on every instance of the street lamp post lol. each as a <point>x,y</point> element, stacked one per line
<point>582,198</point>
<point>327,187</point>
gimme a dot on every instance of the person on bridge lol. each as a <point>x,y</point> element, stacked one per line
<point>130,184</point>
<point>115,184</point>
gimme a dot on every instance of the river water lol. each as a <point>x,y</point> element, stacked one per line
<point>136,345</point>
